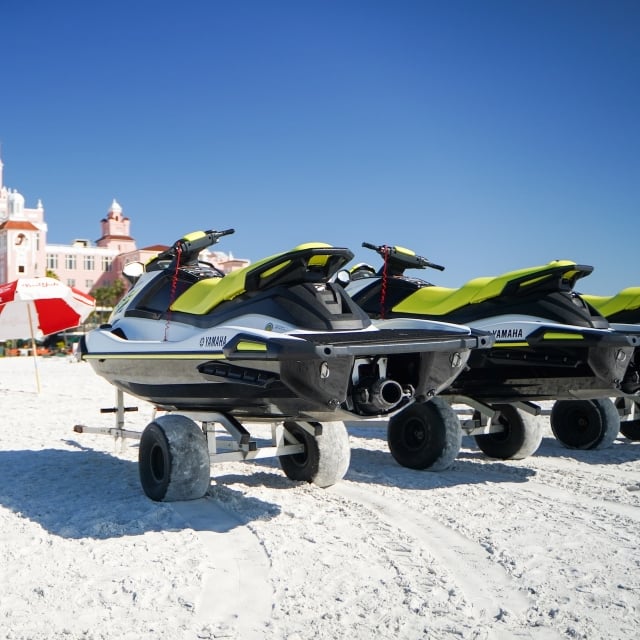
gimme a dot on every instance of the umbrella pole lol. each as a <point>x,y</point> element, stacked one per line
<point>33,348</point>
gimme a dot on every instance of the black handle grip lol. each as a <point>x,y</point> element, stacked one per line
<point>400,260</point>
<point>192,244</point>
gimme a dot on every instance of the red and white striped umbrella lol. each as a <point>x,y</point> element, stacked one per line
<point>37,307</point>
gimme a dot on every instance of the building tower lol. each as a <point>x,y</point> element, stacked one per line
<point>116,231</point>
<point>23,236</point>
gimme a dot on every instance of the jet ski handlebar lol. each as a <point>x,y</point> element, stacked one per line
<point>399,259</point>
<point>190,246</point>
<point>193,243</point>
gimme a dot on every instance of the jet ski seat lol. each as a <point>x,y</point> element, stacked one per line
<point>626,300</point>
<point>558,274</point>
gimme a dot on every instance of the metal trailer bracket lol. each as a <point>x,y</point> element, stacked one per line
<point>236,445</point>
<point>484,418</point>
<point>628,408</point>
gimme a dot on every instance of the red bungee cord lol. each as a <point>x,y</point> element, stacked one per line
<point>383,290</point>
<point>172,294</point>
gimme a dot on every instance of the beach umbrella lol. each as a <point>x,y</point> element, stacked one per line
<point>37,307</point>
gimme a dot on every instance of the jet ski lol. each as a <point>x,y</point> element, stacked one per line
<point>549,345</point>
<point>274,341</point>
<point>622,311</point>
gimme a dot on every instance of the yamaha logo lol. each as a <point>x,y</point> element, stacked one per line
<point>507,334</point>
<point>213,341</point>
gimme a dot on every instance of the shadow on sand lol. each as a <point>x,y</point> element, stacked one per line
<point>91,494</point>
<point>379,468</point>
<point>622,450</point>
<point>83,493</point>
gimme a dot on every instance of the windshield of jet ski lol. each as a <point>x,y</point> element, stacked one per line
<point>182,255</point>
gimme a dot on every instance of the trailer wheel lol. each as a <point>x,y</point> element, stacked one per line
<point>425,435</point>
<point>325,459</point>
<point>585,424</point>
<point>521,435</point>
<point>173,459</point>
<point>629,428</point>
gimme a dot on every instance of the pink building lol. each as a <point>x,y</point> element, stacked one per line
<point>24,252</point>
<point>23,234</point>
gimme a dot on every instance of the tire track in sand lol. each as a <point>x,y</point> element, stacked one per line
<point>237,596</point>
<point>485,584</point>
<point>587,488</point>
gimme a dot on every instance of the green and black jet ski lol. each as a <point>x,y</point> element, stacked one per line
<point>274,341</point>
<point>623,313</point>
<point>549,345</point>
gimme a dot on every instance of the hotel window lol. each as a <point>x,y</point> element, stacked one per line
<point>88,285</point>
<point>71,282</point>
<point>106,263</point>
<point>52,261</point>
<point>89,263</point>
<point>70,261</point>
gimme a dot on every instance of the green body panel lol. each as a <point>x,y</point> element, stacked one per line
<point>626,300</point>
<point>197,298</point>
<point>440,301</point>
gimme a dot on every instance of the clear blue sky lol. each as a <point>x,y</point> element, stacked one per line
<point>486,135</point>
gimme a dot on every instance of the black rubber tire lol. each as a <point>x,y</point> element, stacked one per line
<point>425,436</point>
<point>520,438</point>
<point>325,459</point>
<point>585,424</point>
<point>630,426</point>
<point>173,460</point>
<point>630,429</point>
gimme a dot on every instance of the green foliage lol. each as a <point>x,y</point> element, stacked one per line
<point>109,295</point>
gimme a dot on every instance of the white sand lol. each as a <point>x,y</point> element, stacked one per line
<point>541,548</point>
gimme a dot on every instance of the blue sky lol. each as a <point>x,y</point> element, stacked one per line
<point>488,136</point>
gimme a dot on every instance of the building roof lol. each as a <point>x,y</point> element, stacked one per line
<point>115,237</point>
<point>19,225</point>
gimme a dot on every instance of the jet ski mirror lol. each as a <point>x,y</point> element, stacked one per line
<point>343,277</point>
<point>132,271</point>
<point>361,270</point>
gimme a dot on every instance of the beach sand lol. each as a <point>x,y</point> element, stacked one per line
<point>545,547</point>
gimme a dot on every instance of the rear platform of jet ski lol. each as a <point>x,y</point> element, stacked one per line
<point>551,362</point>
<point>313,375</point>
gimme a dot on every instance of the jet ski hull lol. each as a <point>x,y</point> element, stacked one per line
<point>571,354</point>
<point>553,362</point>
<point>313,375</point>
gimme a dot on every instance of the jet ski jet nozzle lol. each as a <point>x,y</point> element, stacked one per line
<point>381,396</point>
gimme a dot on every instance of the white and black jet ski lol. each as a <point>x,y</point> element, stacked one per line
<point>550,344</point>
<point>276,340</point>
